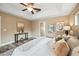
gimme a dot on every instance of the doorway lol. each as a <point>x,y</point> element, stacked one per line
<point>42,29</point>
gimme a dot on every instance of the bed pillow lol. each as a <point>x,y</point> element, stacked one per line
<point>73,42</point>
<point>61,48</point>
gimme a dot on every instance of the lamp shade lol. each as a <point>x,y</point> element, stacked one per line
<point>66,28</point>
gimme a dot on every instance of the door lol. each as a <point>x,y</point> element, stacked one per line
<point>42,29</point>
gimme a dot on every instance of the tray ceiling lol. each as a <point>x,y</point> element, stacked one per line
<point>48,10</point>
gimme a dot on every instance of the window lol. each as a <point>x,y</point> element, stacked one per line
<point>77,19</point>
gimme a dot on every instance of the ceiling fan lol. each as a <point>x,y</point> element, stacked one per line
<point>30,7</point>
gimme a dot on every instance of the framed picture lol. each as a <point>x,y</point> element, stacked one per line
<point>20,27</point>
<point>50,28</point>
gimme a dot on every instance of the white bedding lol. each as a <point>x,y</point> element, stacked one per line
<point>36,47</point>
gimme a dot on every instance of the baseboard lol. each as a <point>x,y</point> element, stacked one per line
<point>6,43</point>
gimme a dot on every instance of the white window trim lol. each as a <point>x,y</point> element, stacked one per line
<point>76,23</point>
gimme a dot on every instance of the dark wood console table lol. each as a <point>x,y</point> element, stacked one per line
<point>16,36</point>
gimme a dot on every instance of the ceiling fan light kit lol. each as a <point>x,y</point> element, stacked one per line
<point>30,9</point>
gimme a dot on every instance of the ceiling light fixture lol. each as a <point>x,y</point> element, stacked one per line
<point>30,9</point>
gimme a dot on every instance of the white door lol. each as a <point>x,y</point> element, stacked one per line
<point>42,29</point>
<point>0,29</point>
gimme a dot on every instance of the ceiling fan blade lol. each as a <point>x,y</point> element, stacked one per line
<point>37,9</point>
<point>30,3</point>
<point>32,12</point>
<point>24,9</point>
<point>23,4</point>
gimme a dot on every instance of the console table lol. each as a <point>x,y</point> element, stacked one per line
<point>16,36</point>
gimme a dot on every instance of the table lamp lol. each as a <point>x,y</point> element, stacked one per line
<point>66,29</point>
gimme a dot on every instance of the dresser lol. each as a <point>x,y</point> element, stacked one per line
<point>17,35</point>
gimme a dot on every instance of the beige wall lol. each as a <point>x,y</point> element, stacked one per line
<point>35,24</point>
<point>35,28</point>
<point>9,23</point>
<point>72,20</point>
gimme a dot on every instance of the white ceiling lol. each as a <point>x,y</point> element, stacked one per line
<point>48,10</point>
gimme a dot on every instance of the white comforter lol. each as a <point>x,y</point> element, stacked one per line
<point>36,47</point>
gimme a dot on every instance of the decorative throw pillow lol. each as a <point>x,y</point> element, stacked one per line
<point>61,48</point>
<point>73,42</point>
<point>75,51</point>
<point>59,37</point>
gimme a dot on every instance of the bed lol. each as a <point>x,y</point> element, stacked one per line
<point>48,47</point>
<point>36,47</point>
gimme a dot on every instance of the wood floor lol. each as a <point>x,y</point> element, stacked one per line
<point>12,46</point>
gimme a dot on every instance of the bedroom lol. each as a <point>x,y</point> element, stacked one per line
<point>50,22</point>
